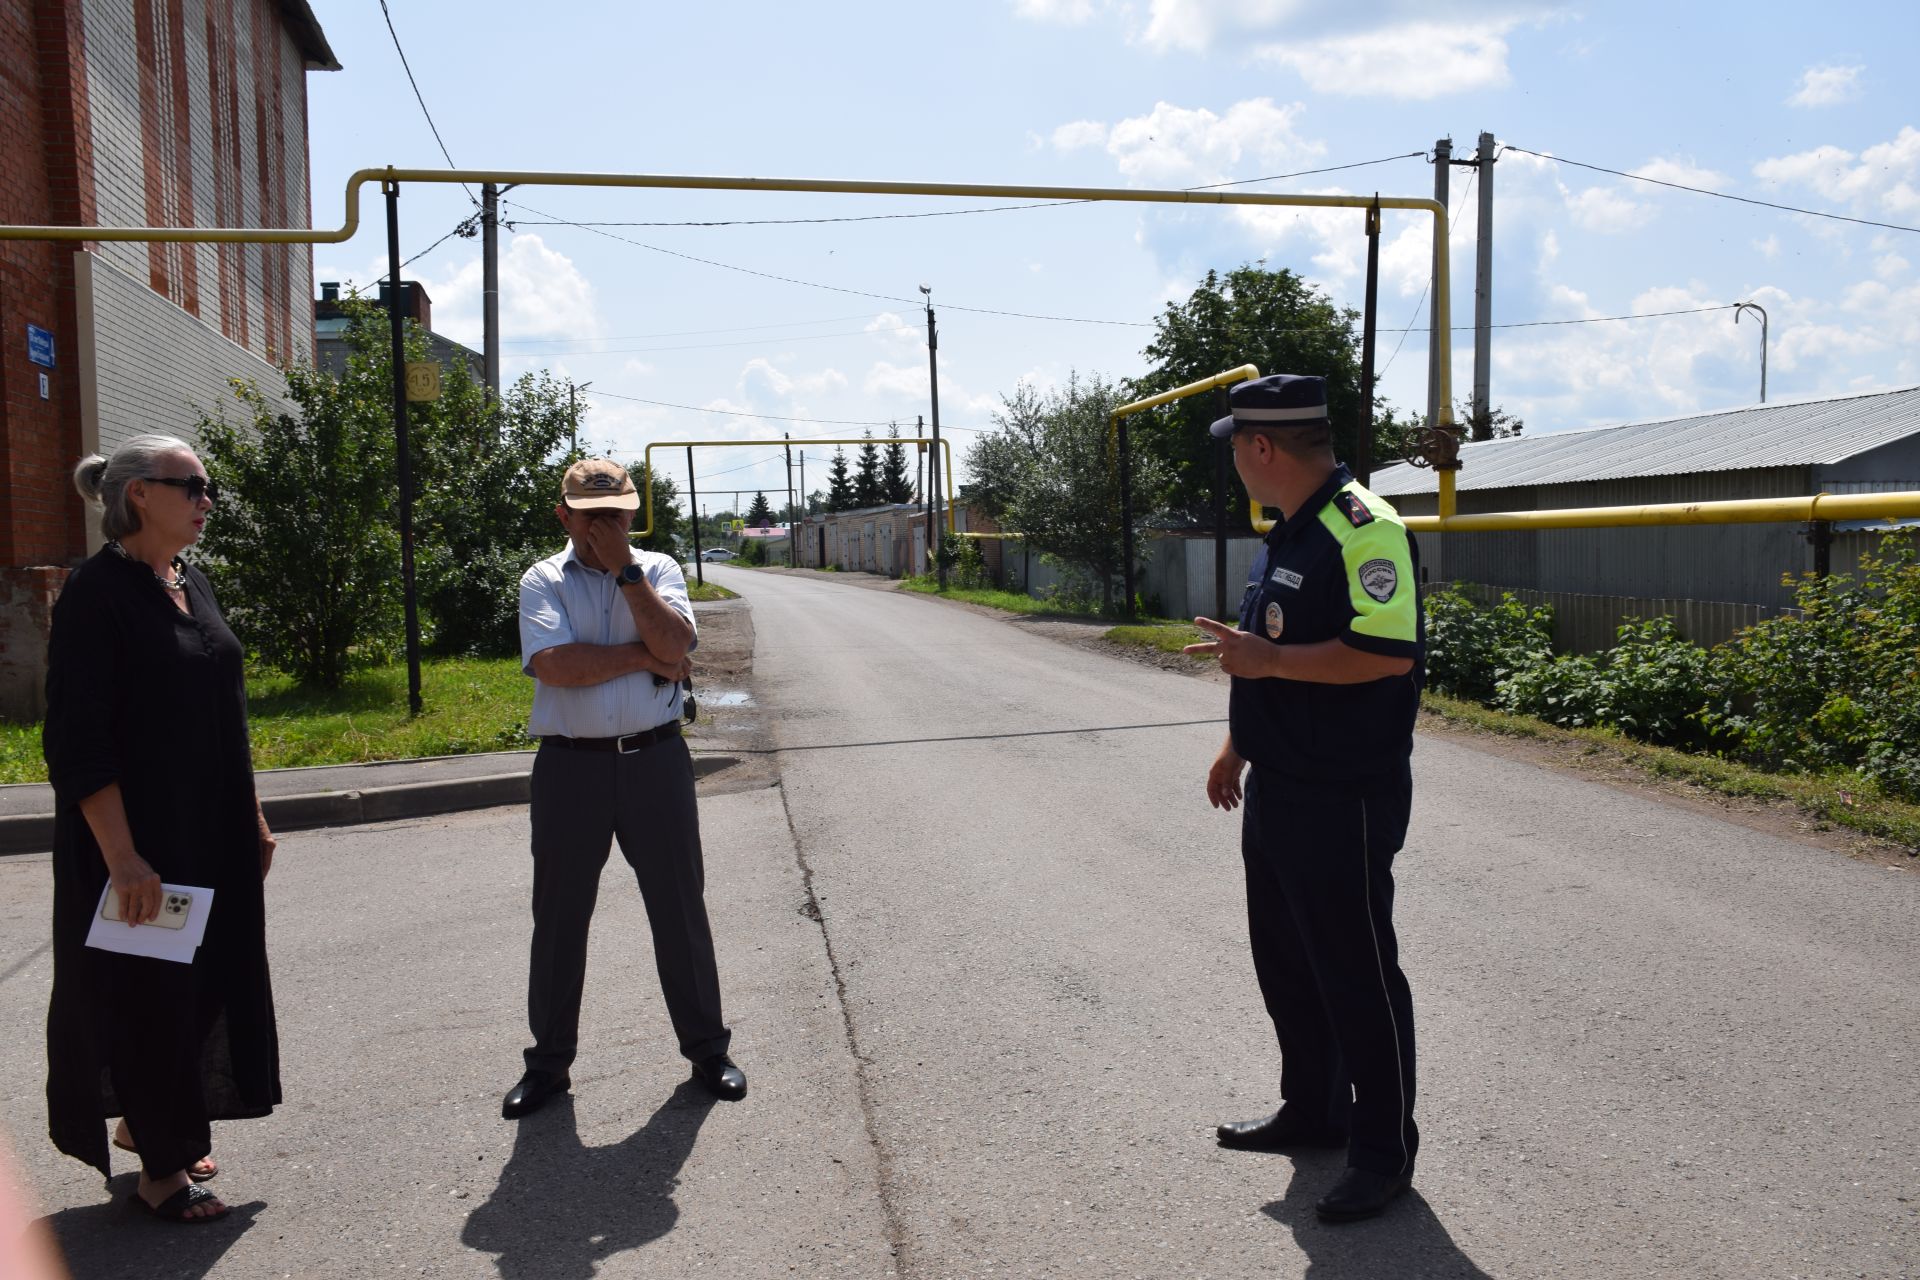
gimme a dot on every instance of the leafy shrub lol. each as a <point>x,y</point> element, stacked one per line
<point>1651,685</point>
<point>1837,686</point>
<point>1470,649</point>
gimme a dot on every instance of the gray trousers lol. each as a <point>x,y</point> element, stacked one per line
<point>582,801</point>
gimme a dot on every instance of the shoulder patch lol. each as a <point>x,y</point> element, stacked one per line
<point>1379,579</point>
<point>1352,508</point>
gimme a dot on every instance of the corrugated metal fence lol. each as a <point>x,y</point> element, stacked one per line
<point>1586,623</point>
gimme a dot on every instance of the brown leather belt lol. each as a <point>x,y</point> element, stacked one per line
<point>626,744</point>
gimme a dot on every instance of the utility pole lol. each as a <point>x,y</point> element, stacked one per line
<point>803,491</point>
<point>933,464</point>
<point>1442,171</point>
<point>490,283</point>
<point>1483,292</point>
<point>573,416</point>
<point>403,449</point>
<point>693,516</point>
<point>792,536</point>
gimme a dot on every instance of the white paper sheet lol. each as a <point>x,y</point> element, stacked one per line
<point>150,940</point>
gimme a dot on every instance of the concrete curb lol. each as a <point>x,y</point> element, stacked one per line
<point>33,832</point>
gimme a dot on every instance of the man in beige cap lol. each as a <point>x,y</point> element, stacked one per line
<point>605,630</point>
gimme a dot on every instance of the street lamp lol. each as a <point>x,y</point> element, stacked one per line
<point>1740,307</point>
<point>933,459</point>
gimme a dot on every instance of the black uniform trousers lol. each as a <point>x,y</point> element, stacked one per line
<point>1319,858</point>
<point>581,802</point>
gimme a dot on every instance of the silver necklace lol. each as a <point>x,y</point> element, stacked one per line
<point>178,582</point>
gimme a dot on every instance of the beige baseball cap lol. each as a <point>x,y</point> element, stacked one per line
<point>594,484</point>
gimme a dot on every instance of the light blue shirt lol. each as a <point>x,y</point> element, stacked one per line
<point>562,601</point>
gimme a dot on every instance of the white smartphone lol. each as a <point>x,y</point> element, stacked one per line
<point>174,909</point>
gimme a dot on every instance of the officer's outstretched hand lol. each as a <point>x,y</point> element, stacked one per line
<point>1223,779</point>
<point>1240,653</point>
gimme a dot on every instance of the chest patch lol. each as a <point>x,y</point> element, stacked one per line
<point>1287,578</point>
<point>1379,579</point>
<point>1352,508</point>
<point>1276,621</point>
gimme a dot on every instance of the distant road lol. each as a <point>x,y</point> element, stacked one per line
<point>1652,1042</point>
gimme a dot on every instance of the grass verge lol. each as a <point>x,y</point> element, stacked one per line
<point>703,591</point>
<point>1843,800</point>
<point>1167,637</point>
<point>1019,602</point>
<point>471,704</point>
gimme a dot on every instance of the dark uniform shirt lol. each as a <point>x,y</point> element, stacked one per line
<point>1340,568</point>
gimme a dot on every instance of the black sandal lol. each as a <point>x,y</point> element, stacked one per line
<point>174,1208</point>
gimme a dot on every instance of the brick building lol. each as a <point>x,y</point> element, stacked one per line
<point>136,113</point>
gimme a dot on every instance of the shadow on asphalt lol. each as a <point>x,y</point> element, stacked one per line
<point>117,1239</point>
<point>563,1208</point>
<point>1407,1240</point>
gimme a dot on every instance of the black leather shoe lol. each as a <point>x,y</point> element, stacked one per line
<point>1280,1131</point>
<point>532,1092</point>
<point>1361,1193</point>
<point>722,1078</point>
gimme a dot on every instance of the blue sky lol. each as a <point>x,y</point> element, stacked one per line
<point>1799,105</point>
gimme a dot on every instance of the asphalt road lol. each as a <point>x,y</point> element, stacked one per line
<point>1652,1043</point>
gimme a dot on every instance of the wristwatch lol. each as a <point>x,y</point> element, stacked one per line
<point>631,573</point>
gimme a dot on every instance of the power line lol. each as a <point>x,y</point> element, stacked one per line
<point>707,346</point>
<point>948,213</point>
<point>463,228</point>
<point>690,333</point>
<point>776,417</point>
<point>1721,195</point>
<point>418,97</point>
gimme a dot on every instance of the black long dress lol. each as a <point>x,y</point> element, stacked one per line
<point>145,695</point>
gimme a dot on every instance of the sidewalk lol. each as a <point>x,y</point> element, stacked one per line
<point>336,795</point>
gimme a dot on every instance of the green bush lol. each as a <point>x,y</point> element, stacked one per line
<point>1836,687</point>
<point>1470,649</point>
<point>1652,685</point>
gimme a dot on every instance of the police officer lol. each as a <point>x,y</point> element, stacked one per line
<point>1326,667</point>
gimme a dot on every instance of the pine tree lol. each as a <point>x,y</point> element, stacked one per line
<point>839,484</point>
<point>866,479</point>
<point>894,483</point>
<point>760,514</point>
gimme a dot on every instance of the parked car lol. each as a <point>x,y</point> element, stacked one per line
<point>716,553</point>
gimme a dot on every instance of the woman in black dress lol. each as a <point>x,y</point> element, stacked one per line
<point>146,746</point>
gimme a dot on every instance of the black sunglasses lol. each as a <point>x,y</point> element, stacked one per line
<point>197,487</point>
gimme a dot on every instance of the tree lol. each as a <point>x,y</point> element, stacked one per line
<point>839,484</point>
<point>866,477</point>
<point>1047,471</point>
<point>305,554</point>
<point>895,484</point>
<point>1496,424</point>
<point>668,522</point>
<point>307,530</point>
<point>759,512</point>
<point>1272,319</point>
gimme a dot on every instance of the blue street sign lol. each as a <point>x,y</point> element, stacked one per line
<point>39,345</point>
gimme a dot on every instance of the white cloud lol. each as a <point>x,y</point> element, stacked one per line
<point>1684,172</point>
<point>761,379</point>
<point>1607,211</point>
<point>1826,86</point>
<point>1183,146</point>
<point>1080,133</point>
<point>1884,180</point>
<point>1768,248</point>
<point>1069,13</point>
<point>1418,60</point>
<point>1887,266</point>
<point>542,295</point>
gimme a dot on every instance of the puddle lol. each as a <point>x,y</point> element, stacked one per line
<point>724,698</point>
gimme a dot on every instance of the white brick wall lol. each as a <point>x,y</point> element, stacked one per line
<point>113,87</point>
<point>147,366</point>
